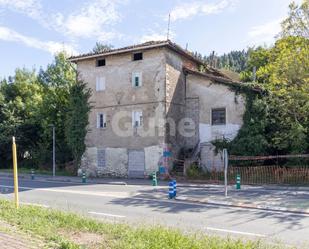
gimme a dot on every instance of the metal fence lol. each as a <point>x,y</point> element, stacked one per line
<point>257,170</point>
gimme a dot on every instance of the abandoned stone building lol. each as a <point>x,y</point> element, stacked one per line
<point>150,97</point>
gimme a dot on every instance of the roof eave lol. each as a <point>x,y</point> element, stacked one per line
<point>163,44</point>
<point>222,80</point>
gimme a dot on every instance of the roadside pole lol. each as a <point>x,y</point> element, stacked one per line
<point>225,160</point>
<point>15,173</point>
<point>54,152</point>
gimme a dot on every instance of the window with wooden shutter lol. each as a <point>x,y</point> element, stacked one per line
<point>100,83</point>
<point>137,118</point>
<point>136,79</point>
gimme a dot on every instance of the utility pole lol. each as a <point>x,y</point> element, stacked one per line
<point>54,150</point>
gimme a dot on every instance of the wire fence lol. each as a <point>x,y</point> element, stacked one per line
<point>258,170</point>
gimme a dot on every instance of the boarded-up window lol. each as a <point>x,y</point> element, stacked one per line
<point>136,163</point>
<point>218,116</point>
<point>100,83</point>
<point>101,158</point>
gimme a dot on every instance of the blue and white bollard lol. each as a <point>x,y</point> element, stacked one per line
<point>171,190</point>
<point>175,188</point>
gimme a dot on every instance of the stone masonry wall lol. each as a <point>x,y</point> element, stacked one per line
<point>115,161</point>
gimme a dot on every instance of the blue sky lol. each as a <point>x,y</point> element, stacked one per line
<point>31,31</point>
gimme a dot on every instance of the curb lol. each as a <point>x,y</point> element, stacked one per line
<point>248,206</point>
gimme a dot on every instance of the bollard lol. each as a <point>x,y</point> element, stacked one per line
<point>174,188</point>
<point>84,177</point>
<point>154,179</point>
<point>32,174</point>
<point>238,181</point>
<point>170,190</point>
<point>15,173</point>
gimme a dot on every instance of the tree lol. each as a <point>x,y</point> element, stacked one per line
<point>76,120</point>
<point>256,60</point>
<point>288,88</point>
<point>297,23</point>
<point>56,80</point>
<point>100,47</point>
<point>20,101</point>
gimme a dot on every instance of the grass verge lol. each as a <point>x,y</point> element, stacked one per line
<point>70,231</point>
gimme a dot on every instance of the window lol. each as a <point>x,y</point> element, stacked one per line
<point>136,79</point>
<point>101,120</point>
<point>100,84</point>
<point>101,158</point>
<point>218,116</point>
<point>137,56</point>
<point>100,62</point>
<point>137,118</point>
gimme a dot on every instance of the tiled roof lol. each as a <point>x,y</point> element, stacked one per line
<point>216,76</point>
<point>142,46</point>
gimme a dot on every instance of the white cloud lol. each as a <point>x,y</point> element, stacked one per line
<point>188,10</point>
<point>93,19</point>
<point>153,37</point>
<point>52,47</point>
<point>90,20</point>
<point>31,8</point>
<point>265,32</point>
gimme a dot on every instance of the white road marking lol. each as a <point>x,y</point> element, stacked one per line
<point>93,193</point>
<point>71,182</point>
<point>234,232</point>
<point>35,204</point>
<point>109,215</point>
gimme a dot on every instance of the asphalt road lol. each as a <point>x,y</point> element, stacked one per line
<point>129,204</point>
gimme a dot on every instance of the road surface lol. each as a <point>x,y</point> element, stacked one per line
<point>135,205</point>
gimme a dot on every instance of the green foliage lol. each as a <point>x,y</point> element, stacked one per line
<point>235,60</point>
<point>252,137</point>
<point>77,120</point>
<point>297,23</point>
<point>100,47</point>
<point>194,171</point>
<point>20,101</point>
<point>57,228</point>
<point>277,122</point>
<point>29,104</point>
<point>57,80</point>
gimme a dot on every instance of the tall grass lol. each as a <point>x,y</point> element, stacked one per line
<point>55,227</point>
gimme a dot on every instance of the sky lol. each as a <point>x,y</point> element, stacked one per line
<point>32,31</point>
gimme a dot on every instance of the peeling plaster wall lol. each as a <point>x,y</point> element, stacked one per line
<point>152,158</point>
<point>119,95</point>
<point>176,97</point>
<point>116,161</point>
<point>214,95</point>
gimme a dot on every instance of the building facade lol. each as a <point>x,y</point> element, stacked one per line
<point>151,97</point>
